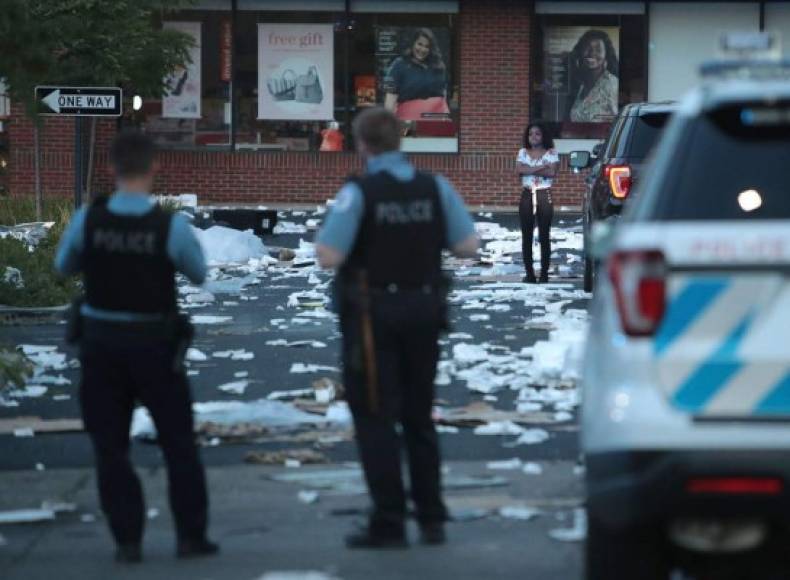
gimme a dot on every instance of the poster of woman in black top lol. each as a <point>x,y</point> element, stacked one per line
<point>412,71</point>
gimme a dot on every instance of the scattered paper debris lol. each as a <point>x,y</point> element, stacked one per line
<point>239,354</point>
<point>208,319</point>
<point>195,355</point>
<point>308,497</point>
<point>532,468</point>
<point>577,532</point>
<point>26,516</point>
<point>236,387</point>
<point>506,464</point>
<point>523,513</point>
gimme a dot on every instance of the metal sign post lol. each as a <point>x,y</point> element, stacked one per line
<point>80,102</point>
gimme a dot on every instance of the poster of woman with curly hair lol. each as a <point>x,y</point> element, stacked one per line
<point>582,68</point>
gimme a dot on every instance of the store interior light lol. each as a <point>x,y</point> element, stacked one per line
<point>137,102</point>
<point>750,200</point>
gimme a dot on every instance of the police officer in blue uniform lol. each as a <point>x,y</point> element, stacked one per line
<point>131,346</point>
<point>385,235</point>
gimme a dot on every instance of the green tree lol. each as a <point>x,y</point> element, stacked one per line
<point>89,43</point>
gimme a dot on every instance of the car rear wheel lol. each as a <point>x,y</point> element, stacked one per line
<point>624,554</point>
<point>589,274</point>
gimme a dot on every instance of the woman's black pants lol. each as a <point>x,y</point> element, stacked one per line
<point>543,215</point>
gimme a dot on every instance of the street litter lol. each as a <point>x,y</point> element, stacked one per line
<point>28,392</point>
<point>87,518</point>
<point>499,428</point>
<point>223,245</point>
<point>350,481</point>
<point>311,368</point>
<point>296,343</point>
<point>261,414</point>
<point>576,533</point>
<point>195,355</point>
<point>236,387</point>
<point>480,413</point>
<point>44,357</point>
<point>518,512</point>
<point>152,513</point>
<point>302,456</point>
<point>530,437</point>
<point>29,233</point>
<point>26,516</point>
<point>239,354</point>
<point>308,497</point>
<point>38,425</point>
<point>532,468</point>
<point>58,506</point>
<point>507,464</point>
<point>208,319</point>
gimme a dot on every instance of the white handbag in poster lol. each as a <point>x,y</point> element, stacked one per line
<point>182,101</point>
<point>296,72</point>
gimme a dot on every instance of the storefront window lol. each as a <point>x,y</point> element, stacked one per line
<point>298,79</point>
<point>408,63</point>
<point>587,68</point>
<point>196,112</point>
<point>289,80</point>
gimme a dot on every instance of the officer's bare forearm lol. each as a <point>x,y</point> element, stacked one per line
<point>329,258</point>
<point>467,248</point>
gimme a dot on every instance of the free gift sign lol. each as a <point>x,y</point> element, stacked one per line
<point>296,72</point>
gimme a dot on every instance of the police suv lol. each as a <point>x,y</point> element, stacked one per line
<point>686,382</point>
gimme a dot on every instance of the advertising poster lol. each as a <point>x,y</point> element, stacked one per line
<point>182,101</point>
<point>365,90</point>
<point>581,73</point>
<point>412,71</point>
<point>296,72</point>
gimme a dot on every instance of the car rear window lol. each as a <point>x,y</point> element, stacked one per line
<point>734,164</point>
<point>645,133</point>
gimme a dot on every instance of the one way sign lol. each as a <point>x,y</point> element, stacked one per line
<point>81,101</point>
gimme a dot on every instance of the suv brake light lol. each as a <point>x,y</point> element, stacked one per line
<point>620,180</point>
<point>639,280</point>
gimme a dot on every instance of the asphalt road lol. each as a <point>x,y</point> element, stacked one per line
<point>262,526</point>
<point>250,328</point>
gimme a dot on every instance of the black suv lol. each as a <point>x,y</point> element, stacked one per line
<point>617,164</point>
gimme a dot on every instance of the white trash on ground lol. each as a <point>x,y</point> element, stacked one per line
<point>223,245</point>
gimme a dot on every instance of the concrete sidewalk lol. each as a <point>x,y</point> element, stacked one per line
<point>263,528</point>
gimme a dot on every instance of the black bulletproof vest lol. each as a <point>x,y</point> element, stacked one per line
<point>401,235</point>
<point>126,263</point>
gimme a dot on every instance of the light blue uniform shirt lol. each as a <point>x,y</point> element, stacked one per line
<point>342,224</point>
<point>183,249</point>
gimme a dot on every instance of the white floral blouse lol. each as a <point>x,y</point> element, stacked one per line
<point>600,104</point>
<point>537,181</point>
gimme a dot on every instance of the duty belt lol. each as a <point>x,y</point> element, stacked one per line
<point>98,329</point>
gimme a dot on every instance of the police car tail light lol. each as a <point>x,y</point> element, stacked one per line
<point>639,280</point>
<point>619,177</point>
<point>735,485</point>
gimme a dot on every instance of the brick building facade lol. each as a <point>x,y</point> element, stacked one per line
<point>499,65</point>
<point>494,44</point>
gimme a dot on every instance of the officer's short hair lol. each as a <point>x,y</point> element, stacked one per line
<point>378,129</point>
<point>132,154</point>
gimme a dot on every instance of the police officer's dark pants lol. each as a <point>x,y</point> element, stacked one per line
<point>115,374</point>
<point>406,330</point>
<point>544,214</point>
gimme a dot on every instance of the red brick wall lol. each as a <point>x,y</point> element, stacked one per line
<point>57,159</point>
<point>494,43</point>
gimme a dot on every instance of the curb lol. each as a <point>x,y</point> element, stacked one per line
<point>13,316</point>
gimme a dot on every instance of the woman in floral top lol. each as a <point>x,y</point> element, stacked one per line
<point>537,165</point>
<point>594,70</point>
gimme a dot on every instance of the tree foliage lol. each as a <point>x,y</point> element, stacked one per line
<point>89,43</point>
